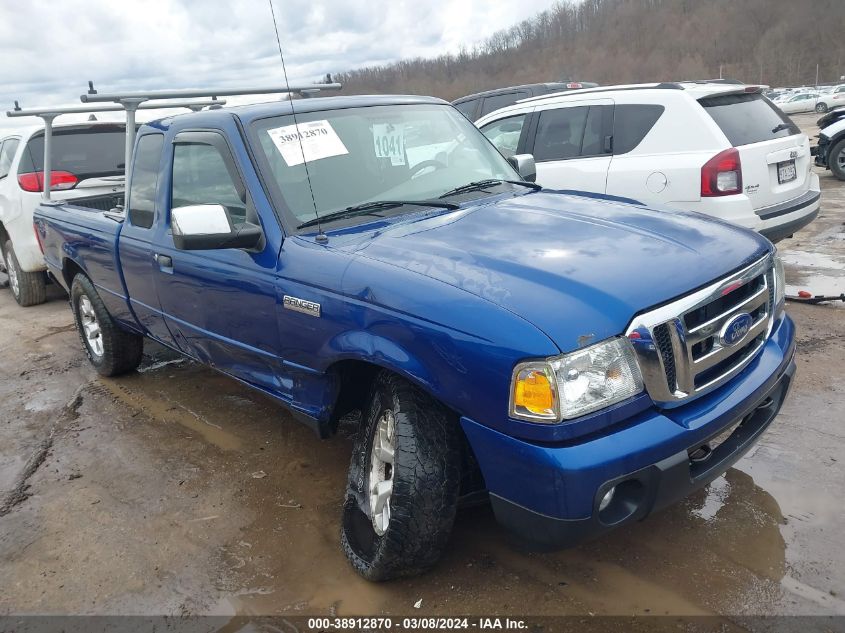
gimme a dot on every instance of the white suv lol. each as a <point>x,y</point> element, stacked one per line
<point>721,149</point>
<point>87,161</point>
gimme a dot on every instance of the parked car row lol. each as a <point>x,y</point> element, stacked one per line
<point>809,99</point>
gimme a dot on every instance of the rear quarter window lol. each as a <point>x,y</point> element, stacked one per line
<point>748,118</point>
<point>631,124</point>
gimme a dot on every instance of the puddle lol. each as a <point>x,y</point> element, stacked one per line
<point>816,273</point>
<point>134,392</point>
<point>806,259</point>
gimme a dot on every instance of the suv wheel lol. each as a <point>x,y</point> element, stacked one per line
<point>28,289</point>
<point>403,485</point>
<point>836,159</point>
<point>111,350</point>
<point>821,108</point>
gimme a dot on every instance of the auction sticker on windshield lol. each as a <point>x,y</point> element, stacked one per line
<point>389,142</point>
<point>315,140</point>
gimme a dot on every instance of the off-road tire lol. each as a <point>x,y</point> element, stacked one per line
<point>832,159</point>
<point>122,350</point>
<point>28,289</point>
<point>426,484</point>
<point>821,108</point>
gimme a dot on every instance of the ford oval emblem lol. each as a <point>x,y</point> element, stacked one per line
<point>735,329</point>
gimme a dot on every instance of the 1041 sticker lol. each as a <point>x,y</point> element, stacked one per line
<point>389,142</point>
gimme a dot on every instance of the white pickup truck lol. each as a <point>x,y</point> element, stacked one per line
<point>87,161</point>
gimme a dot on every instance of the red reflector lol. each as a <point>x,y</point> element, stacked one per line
<point>731,288</point>
<point>34,181</point>
<point>634,336</point>
<point>722,174</point>
<point>804,294</point>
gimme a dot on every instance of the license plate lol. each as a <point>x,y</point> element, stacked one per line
<point>787,171</point>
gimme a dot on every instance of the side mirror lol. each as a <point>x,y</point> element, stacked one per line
<point>207,226</point>
<point>525,166</point>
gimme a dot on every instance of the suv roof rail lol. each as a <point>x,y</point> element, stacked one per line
<point>666,85</point>
<point>733,82</point>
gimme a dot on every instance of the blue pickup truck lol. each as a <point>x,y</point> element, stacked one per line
<point>583,360</point>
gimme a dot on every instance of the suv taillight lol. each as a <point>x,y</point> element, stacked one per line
<point>34,181</point>
<point>722,174</point>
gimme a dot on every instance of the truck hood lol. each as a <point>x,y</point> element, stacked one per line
<point>577,267</point>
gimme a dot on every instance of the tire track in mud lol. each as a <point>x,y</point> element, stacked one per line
<point>20,491</point>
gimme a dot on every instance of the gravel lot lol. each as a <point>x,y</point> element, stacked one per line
<point>178,491</point>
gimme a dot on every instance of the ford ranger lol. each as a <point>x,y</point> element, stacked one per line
<point>580,358</point>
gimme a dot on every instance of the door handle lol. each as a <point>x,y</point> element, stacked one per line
<point>165,261</point>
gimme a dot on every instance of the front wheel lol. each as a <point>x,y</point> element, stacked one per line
<point>403,485</point>
<point>836,159</point>
<point>28,289</point>
<point>111,350</point>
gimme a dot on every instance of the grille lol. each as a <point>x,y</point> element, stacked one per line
<point>683,347</point>
<point>664,345</point>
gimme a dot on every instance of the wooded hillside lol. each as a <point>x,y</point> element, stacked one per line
<point>777,42</point>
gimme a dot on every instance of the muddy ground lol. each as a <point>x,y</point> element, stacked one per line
<point>178,491</point>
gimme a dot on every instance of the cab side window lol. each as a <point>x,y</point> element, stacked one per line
<point>200,176</point>
<point>142,189</point>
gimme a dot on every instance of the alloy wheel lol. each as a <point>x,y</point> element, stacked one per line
<point>90,326</point>
<point>381,471</point>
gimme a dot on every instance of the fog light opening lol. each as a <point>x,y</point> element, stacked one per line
<point>621,502</point>
<point>607,498</point>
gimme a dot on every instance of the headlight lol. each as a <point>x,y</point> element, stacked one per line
<point>780,285</point>
<point>569,386</point>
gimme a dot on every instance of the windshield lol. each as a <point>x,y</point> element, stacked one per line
<point>359,155</point>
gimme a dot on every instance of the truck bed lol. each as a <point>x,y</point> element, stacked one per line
<point>88,237</point>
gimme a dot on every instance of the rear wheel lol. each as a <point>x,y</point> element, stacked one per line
<point>111,350</point>
<point>821,107</point>
<point>836,159</point>
<point>28,289</point>
<point>404,482</point>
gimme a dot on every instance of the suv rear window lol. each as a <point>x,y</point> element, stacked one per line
<point>748,118</point>
<point>86,152</point>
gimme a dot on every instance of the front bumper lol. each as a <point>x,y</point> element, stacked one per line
<point>549,495</point>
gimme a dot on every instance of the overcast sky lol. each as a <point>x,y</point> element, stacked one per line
<point>49,49</point>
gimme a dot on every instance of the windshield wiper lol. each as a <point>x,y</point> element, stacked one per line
<point>481,184</point>
<point>367,208</point>
<point>780,127</point>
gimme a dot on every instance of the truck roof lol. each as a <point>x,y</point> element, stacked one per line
<point>249,113</point>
